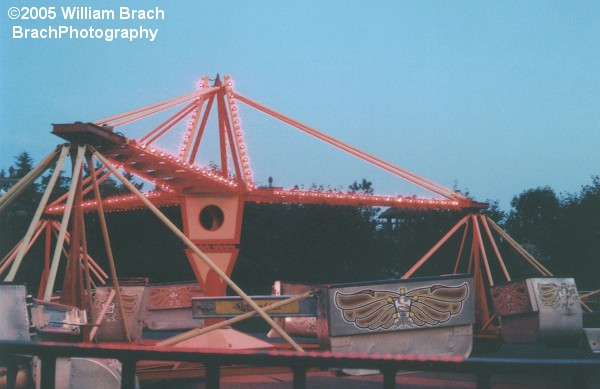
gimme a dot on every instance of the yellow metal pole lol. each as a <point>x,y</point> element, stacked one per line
<point>199,331</point>
<point>98,321</point>
<point>65,221</point>
<point>494,246</point>
<point>6,262</point>
<point>8,258</point>
<point>20,186</point>
<point>528,257</point>
<point>37,215</point>
<point>86,265</point>
<point>588,295</point>
<point>154,108</point>
<point>198,252</point>
<point>107,246</point>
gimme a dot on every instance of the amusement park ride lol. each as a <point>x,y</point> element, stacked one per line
<point>211,199</point>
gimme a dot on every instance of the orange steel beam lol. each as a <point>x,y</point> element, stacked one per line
<point>191,129</point>
<point>223,125</point>
<point>96,269</point>
<point>238,134</point>
<point>278,195</point>
<point>155,108</point>
<point>120,203</point>
<point>462,246</point>
<point>420,181</point>
<point>47,254</point>
<point>477,233</point>
<point>86,181</point>
<point>494,246</point>
<point>234,155</point>
<point>174,120</point>
<point>260,195</point>
<point>165,123</point>
<point>178,176</point>
<point>9,259</point>
<point>200,131</point>
<point>439,244</point>
<point>528,257</point>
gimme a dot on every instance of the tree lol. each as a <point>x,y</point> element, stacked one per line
<point>308,243</point>
<point>579,233</point>
<point>26,204</point>
<point>535,217</point>
<point>15,220</point>
<point>563,232</point>
<point>112,187</point>
<point>62,183</point>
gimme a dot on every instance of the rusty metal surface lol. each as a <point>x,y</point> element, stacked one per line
<point>592,335</point>
<point>89,133</point>
<point>450,341</point>
<point>14,320</point>
<point>173,296</point>
<point>52,318</point>
<point>134,302</point>
<point>295,326</point>
<point>88,373</point>
<point>170,319</point>
<point>169,307</point>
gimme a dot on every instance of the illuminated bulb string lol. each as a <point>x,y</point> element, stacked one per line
<point>239,135</point>
<point>194,169</point>
<point>187,135</point>
<point>192,122</point>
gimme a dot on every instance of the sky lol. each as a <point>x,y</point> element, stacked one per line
<point>493,98</point>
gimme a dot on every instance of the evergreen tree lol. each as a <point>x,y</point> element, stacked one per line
<point>16,218</point>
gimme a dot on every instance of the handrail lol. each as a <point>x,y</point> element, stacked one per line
<point>299,362</point>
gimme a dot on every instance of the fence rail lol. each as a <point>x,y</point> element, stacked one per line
<point>482,368</point>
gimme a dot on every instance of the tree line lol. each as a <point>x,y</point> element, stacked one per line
<point>325,243</point>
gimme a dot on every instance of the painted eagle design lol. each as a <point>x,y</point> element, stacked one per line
<point>557,296</point>
<point>374,309</point>
<point>130,303</point>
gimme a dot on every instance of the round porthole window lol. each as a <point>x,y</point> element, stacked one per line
<point>211,217</point>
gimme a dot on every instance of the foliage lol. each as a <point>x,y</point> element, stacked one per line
<point>14,221</point>
<point>564,232</point>
<point>328,244</point>
<point>309,243</point>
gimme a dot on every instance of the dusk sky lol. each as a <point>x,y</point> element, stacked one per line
<point>492,97</point>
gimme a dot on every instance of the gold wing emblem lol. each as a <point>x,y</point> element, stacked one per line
<point>368,309</point>
<point>436,304</point>
<point>380,309</point>
<point>556,296</point>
